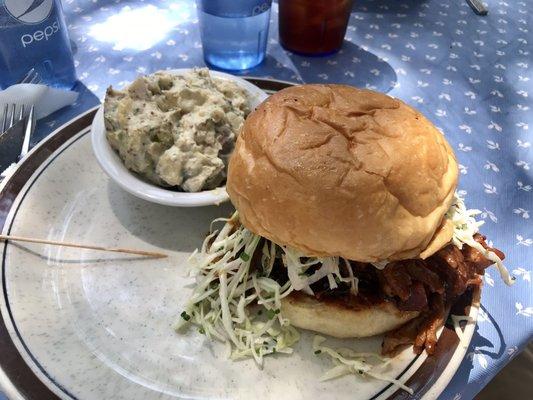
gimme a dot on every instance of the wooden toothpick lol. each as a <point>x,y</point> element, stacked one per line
<point>82,246</point>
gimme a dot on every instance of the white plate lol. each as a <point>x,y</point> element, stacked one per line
<point>78,324</point>
<point>133,183</point>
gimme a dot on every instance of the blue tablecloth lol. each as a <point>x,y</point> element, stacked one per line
<point>470,75</point>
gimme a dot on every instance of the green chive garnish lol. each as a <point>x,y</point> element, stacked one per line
<point>245,257</point>
<point>185,316</point>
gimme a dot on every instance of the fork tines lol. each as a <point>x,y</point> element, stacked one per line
<point>10,115</point>
<point>31,76</point>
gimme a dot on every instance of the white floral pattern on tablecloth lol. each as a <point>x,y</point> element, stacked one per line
<point>470,75</point>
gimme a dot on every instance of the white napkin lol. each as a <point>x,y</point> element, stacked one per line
<point>46,99</point>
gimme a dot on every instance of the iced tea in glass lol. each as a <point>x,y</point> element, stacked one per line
<point>313,27</point>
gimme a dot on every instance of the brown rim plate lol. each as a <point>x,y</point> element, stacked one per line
<point>430,378</point>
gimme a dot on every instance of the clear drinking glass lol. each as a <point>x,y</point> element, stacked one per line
<point>234,32</point>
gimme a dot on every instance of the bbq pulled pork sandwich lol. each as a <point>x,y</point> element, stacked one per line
<point>350,197</point>
<point>347,224</point>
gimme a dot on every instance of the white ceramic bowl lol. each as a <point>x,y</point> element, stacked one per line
<point>134,184</point>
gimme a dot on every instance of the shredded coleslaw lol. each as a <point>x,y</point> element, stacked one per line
<point>465,227</point>
<point>302,279</point>
<point>347,361</point>
<point>239,304</point>
<point>234,303</point>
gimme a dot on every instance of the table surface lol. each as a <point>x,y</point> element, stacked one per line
<point>470,75</point>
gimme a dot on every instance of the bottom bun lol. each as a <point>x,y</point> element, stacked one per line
<point>340,319</point>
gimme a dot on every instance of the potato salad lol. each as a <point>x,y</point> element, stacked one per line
<point>176,130</point>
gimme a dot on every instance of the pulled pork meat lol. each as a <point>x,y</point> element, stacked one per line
<point>446,275</point>
<point>429,286</point>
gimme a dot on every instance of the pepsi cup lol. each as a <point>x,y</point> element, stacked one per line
<point>33,34</point>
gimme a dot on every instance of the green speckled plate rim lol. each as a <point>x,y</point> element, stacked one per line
<point>18,380</point>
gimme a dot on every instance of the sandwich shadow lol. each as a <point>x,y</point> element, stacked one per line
<point>479,348</point>
<point>480,341</point>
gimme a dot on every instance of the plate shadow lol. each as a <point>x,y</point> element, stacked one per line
<point>171,228</point>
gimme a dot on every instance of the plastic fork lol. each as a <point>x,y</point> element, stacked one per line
<point>28,131</point>
<point>10,115</point>
<point>31,76</point>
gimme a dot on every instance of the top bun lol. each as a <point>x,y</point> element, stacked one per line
<point>332,170</point>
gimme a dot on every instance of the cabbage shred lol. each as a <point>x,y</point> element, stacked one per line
<point>298,267</point>
<point>347,362</point>
<point>235,303</point>
<point>465,227</point>
<point>239,304</point>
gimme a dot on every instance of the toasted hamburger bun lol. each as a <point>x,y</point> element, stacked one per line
<point>340,320</point>
<point>336,171</point>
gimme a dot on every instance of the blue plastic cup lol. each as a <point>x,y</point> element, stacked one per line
<point>33,35</point>
<point>234,32</point>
